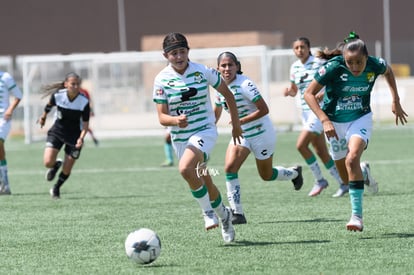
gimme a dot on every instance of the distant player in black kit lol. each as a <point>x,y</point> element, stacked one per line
<point>69,129</point>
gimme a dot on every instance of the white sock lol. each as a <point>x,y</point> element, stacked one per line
<point>285,173</point>
<point>202,197</point>
<point>221,211</point>
<point>316,170</point>
<point>334,173</point>
<point>234,195</point>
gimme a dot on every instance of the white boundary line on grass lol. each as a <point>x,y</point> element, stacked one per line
<point>152,169</point>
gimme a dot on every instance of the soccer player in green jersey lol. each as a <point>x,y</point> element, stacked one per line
<point>181,94</point>
<point>346,116</point>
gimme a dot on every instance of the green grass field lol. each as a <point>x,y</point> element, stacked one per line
<point>119,187</point>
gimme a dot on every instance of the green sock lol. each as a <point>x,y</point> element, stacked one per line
<point>275,174</point>
<point>356,192</point>
<point>3,173</point>
<point>168,150</point>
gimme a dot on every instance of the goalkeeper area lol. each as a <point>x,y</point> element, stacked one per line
<point>121,83</point>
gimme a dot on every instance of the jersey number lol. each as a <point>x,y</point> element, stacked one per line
<point>339,145</point>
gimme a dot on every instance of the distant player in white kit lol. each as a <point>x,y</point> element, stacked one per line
<point>302,72</point>
<point>8,88</point>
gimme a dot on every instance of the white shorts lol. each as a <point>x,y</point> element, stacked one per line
<point>203,140</point>
<point>362,127</point>
<point>5,126</point>
<point>263,145</point>
<point>311,122</point>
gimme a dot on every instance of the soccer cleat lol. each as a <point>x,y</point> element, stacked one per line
<point>318,187</point>
<point>5,190</point>
<point>369,181</point>
<point>54,193</point>
<point>210,220</point>
<point>227,229</point>
<point>167,164</point>
<point>51,172</point>
<point>298,181</point>
<point>355,224</point>
<point>238,218</point>
<point>343,189</point>
<point>95,141</point>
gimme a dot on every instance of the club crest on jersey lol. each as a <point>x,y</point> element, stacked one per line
<point>159,92</point>
<point>198,77</point>
<point>322,71</point>
<point>370,77</point>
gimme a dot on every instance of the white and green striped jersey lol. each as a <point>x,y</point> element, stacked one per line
<point>7,87</point>
<point>348,97</point>
<point>187,94</point>
<point>246,94</point>
<point>302,75</point>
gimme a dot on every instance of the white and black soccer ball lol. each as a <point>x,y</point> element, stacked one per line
<point>143,246</point>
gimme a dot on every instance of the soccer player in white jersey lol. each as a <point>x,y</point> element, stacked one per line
<point>259,136</point>
<point>68,130</point>
<point>348,78</point>
<point>8,88</point>
<point>181,94</point>
<point>301,74</point>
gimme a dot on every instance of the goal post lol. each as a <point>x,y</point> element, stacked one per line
<point>120,85</point>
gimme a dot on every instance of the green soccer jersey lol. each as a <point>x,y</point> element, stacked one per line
<point>347,97</point>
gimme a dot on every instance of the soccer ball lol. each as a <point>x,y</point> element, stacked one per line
<point>143,246</point>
